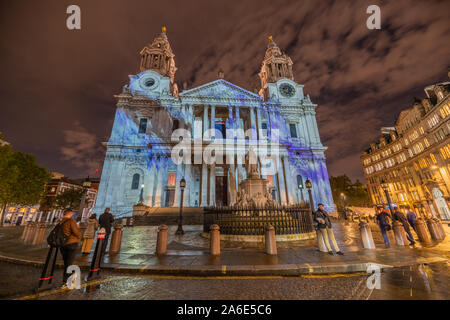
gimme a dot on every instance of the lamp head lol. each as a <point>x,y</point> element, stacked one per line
<point>182,183</point>
<point>308,184</point>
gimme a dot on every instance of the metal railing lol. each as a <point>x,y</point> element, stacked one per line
<point>294,219</point>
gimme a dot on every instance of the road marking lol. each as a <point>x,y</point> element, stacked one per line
<point>55,291</point>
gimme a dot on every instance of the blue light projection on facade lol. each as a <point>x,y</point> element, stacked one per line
<point>264,121</point>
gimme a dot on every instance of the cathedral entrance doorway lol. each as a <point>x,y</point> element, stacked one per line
<point>170,197</point>
<point>221,191</point>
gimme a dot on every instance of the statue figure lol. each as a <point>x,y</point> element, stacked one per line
<point>252,164</point>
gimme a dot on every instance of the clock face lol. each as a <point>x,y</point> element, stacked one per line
<point>287,90</point>
<point>147,83</point>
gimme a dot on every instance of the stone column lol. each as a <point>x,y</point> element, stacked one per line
<point>191,119</point>
<point>190,183</point>
<point>229,125</point>
<point>178,176</point>
<point>288,179</point>
<point>253,122</point>
<point>204,190</point>
<point>259,121</point>
<point>205,121</point>
<point>184,117</point>
<point>314,127</point>
<point>281,182</point>
<point>159,182</point>
<point>213,121</point>
<point>238,121</point>
<point>304,130</point>
<point>151,184</point>
<point>212,186</point>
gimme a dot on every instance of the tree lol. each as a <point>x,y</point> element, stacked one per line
<point>347,193</point>
<point>69,199</point>
<point>22,180</point>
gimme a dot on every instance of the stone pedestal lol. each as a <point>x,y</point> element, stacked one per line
<point>140,209</point>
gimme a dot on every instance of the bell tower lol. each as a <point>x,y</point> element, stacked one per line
<point>276,65</point>
<point>158,56</point>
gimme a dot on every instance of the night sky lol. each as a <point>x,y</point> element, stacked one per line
<point>58,85</point>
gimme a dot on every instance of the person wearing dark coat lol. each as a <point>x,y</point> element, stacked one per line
<point>399,216</point>
<point>322,223</point>
<point>106,220</point>
<point>411,216</point>
<point>383,222</point>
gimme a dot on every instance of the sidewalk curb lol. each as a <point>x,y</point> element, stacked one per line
<point>241,270</point>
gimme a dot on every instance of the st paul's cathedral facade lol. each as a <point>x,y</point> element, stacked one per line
<point>139,165</point>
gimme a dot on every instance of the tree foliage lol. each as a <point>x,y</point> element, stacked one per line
<point>22,180</point>
<point>69,199</point>
<point>347,193</point>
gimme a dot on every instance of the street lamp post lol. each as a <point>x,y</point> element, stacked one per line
<point>386,192</point>
<point>180,224</point>
<point>308,185</point>
<point>343,203</point>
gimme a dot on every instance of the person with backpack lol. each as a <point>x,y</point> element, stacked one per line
<point>383,222</point>
<point>72,236</point>
<point>106,220</point>
<point>89,234</point>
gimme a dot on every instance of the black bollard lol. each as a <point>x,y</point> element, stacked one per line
<point>52,253</point>
<point>98,254</point>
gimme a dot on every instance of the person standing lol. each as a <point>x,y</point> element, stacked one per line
<point>383,222</point>
<point>399,216</point>
<point>106,220</point>
<point>89,234</point>
<point>411,216</point>
<point>69,249</point>
<point>322,223</point>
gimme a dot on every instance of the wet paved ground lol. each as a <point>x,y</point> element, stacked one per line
<point>191,250</point>
<point>419,282</point>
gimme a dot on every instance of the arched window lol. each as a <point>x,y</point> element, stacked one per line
<point>135,183</point>
<point>300,182</point>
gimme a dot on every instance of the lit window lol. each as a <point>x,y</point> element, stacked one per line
<point>433,158</point>
<point>171,179</point>
<point>270,180</point>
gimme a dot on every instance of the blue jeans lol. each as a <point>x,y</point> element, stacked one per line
<point>385,236</point>
<point>408,234</point>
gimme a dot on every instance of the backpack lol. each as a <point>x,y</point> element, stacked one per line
<point>57,238</point>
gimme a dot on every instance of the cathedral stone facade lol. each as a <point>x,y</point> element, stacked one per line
<point>154,121</point>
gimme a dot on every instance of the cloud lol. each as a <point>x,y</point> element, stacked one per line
<point>82,150</point>
<point>360,78</point>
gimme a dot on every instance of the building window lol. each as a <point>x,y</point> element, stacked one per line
<point>135,182</point>
<point>270,180</point>
<point>299,181</point>
<point>433,158</point>
<point>293,130</point>
<point>143,125</point>
<point>171,180</point>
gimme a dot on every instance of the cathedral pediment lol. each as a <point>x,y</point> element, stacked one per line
<point>220,89</point>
